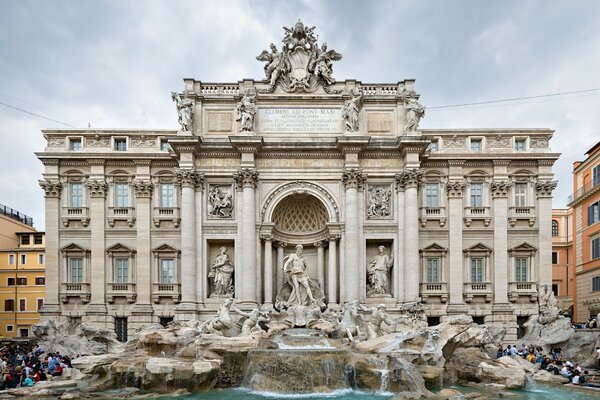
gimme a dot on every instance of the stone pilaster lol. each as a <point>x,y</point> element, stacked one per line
<point>268,299</point>
<point>500,190</point>
<point>143,194</point>
<point>332,279</point>
<point>455,190</point>
<point>320,262</point>
<point>97,190</point>
<point>201,273</point>
<point>52,191</point>
<point>280,274</point>
<point>353,179</point>
<point>247,178</point>
<point>398,270</point>
<point>544,190</point>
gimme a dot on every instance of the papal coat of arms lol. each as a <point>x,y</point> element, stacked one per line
<point>301,65</point>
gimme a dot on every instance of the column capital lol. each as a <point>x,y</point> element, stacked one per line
<point>189,177</point>
<point>97,188</point>
<point>455,189</point>
<point>281,244</point>
<point>142,188</point>
<point>266,237</point>
<point>545,188</point>
<point>246,177</point>
<point>320,243</point>
<point>334,237</point>
<point>410,177</point>
<point>500,188</point>
<point>51,188</point>
<point>353,178</point>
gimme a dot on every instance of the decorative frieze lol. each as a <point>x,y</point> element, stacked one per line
<point>188,177</point>
<point>143,141</point>
<point>455,189</point>
<point>500,188</point>
<point>538,142</point>
<point>143,188</point>
<point>246,177</point>
<point>51,188</point>
<point>498,142</point>
<point>545,188</point>
<point>379,202</point>
<point>56,142</point>
<point>98,141</point>
<point>97,188</point>
<point>455,142</point>
<point>353,177</point>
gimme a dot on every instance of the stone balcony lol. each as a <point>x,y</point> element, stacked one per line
<point>472,289</point>
<point>523,213</point>
<point>121,214</point>
<point>433,214</point>
<point>126,290</point>
<point>477,213</point>
<point>437,289</point>
<point>517,289</point>
<point>172,290</point>
<point>81,290</point>
<point>166,214</point>
<point>75,214</point>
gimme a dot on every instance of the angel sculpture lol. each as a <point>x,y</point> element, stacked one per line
<point>275,64</point>
<point>322,63</point>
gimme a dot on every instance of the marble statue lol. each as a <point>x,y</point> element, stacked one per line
<point>547,304</point>
<point>414,112</point>
<point>276,64</point>
<point>378,270</point>
<point>220,201</point>
<point>349,323</point>
<point>350,112</point>
<point>378,317</point>
<point>321,65</point>
<point>379,199</point>
<point>221,272</point>
<point>222,324</point>
<point>184,111</point>
<point>253,319</point>
<point>245,111</point>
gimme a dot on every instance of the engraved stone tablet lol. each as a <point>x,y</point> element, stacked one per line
<point>299,120</point>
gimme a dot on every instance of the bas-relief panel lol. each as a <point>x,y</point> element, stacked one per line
<point>379,202</point>
<point>219,121</point>
<point>380,122</point>
<point>220,201</point>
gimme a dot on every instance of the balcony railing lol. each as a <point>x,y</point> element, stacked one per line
<point>472,289</point>
<point>81,290</point>
<point>477,213</point>
<point>75,214</point>
<point>434,289</point>
<point>516,289</point>
<point>166,214</point>
<point>121,214</point>
<point>431,214</point>
<point>517,213</point>
<point>585,189</point>
<point>172,290</point>
<point>126,290</point>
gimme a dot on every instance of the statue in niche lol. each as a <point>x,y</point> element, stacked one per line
<point>245,111</point>
<point>184,111</point>
<point>414,112</point>
<point>378,270</point>
<point>322,64</point>
<point>379,202</point>
<point>253,319</point>
<point>299,288</point>
<point>221,272</point>
<point>378,317</point>
<point>220,201</point>
<point>350,112</point>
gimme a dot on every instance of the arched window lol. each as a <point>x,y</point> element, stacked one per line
<point>554,228</point>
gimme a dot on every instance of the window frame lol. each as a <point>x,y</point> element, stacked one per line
<point>23,259</point>
<point>433,271</point>
<point>596,283</point>
<point>555,231</point>
<point>38,236</point>
<point>117,140</point>
<point>518,141</point>
<point>71,143</point>
<point>41,258</point>
<point>593,213</point>
<point>39,279</point>
<point>429,196</point>
<point>474,140</point>
<point>22,304</point>
<point>21,281</point>
<point>81,275</point>
<point>521,197</point>
<point>161,270</point>
<point>474,196</point>
<point>554,259</point>
<point>594,248</point>
<point>121,198</point>
<point>25,240</point>
<point>11,259</point>
<point>121,275</point>
<point>162,197</point>
<point>522,271</point>
<point>10,302</point>
<point>482,269</point>
<point>76,198</point>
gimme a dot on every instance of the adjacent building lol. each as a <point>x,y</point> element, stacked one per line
<point>563,269</point>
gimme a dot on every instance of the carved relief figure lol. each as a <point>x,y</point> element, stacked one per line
<point>184,111</point>
<point>220,201</point>
<point>378,270</point>
<point>376,320</point>
<point>222,324</point>
<point>379,202</point>
<point>414,112</point>
<point>350,112</point>
<point>221,272</point>
<point>245,111</point>
<point>253,319</point>
<point>322,63</point>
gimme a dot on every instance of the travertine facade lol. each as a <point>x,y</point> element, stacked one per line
<point>135,219</point>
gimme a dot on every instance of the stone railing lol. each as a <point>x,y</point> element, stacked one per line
<point>75,214</point>
<point>121,214</point>
<point>379,90</point>
<point>172,290</point>
<point>432,214</point>
<point>516,289</point>
<point>126,290</point>
<point>166,214</point>
<point>472,289</point>
<point>434,289</point>
<point>477,213</point>
<point>81,290</point>
<point>517,213</point>
<point>220,89</point>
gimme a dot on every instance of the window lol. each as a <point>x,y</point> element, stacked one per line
<point>22,281</point>
<point>76,194</point>
<point>40,280</point>
<point>121,328</point>
<point>432,266</point>
<point>477,270</point>
<point>75,270</point>
<point>24,239</point>
<point>121,270</point>
<point>520,144</point>
<point>167,270</point>
<point>164,145</point>
<point>476,145</point>
<point>23,259</point>
<point>38,238</point>
<point>9,305</point>
<point>555,289</point>
<point>22,305</point>
<point>23,332</point>
<point>596,175</point>
<point>432,195</point>
<point>554,257</point>
<point>10,281</point>
<point>476,194</point>
<point>164,321</point>
<point>40,304</point>
<point>596,284</point>
<point>521,273</point>
<point>520,194</point>
<point>11,259</point>
<point>121,195</point>
<point>554,228</point>
<point>594,213</point>
<point>166,195</point>
<point>40,259</point>
<point>9,328</point>
<point>120,144</point>
<point>75,144</point>
<point>434,145</point>
<point>595,245</point>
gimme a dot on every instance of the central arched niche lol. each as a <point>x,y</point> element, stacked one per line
<point>300,217</point>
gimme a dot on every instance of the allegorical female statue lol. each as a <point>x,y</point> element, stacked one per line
<point>221,272</point>
<point>378,270</point>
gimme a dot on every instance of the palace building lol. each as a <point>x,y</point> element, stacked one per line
<point>146,226</point>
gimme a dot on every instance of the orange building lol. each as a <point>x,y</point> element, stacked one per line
<point>585,203</point>
<point>562,254</point>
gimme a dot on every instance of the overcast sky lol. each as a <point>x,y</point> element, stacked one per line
<point>114,64</point>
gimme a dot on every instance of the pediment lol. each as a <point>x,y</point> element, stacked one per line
<point>119,247</point>
<point>478,248</point>
<point>434,248</point>
<point>73,247</point>
<point>165,248</point>
<point>524,248</point>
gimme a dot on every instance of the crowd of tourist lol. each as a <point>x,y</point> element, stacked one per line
<point>23,366</point>
<point>555,362</point>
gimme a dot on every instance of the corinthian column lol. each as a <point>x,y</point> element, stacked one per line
<point>544,190</point>
<point>332,271</point>
<point>353,179</point>
<point>455,190</point>
<point>188,179</point>
<point>52,190</point>
<point>500,190</point>
<point>399,268</point>
<point>268,239</point>
<point>97,190</point>
<point>247,178</point>
<point>411,179</point>
<point>143,193</point>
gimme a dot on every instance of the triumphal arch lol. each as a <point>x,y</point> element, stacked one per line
<point>294,183</point>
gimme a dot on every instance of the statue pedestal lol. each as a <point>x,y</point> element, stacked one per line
<point>376,299</point>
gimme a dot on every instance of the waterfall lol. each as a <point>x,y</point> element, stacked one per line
<point>385,381</point>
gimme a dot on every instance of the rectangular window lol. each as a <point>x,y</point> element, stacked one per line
<point>120,144</point>
<point>75,144</point>
<point>596,175</point>
<point>555,289</point>
<point>167,270</point>
<point>164,145</point>
<point>521,273</point>
<point>40,280</point>
<point>434,145</point>
<point>24,239</point>
<point>75,270</point>
<point>38,238</point>
<point>476,145</point>
<point>520,144</point>
<point>22,281</point>
<point>121,195</point>
<point>23,259</point>
<point>22,305</point>
<point>477,270</point>
<point>596,284</point>
<point>594,213</point>
<point>23,332</point>
<point>167,195</point>
<point>595,245</point>
<point>40,259</point>
<point>520,195</point>
<point>121,328</point>
<point>432,195</point>
<point>121,270</point>
<point>9,305</point>
<point>554,257</point>
<point>11,259</point>
<point>476,194</point>
<point>10,281</point>
<point>9,328</point>
<point>40,304</point>
<point>432,270</point>
<point>76,195</point>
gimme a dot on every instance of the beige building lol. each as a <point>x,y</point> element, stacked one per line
<point>136,220</point>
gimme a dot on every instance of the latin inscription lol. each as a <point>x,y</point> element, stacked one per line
<point>299,120</point>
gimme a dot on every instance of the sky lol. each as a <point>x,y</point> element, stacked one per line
<point>113,64</point>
